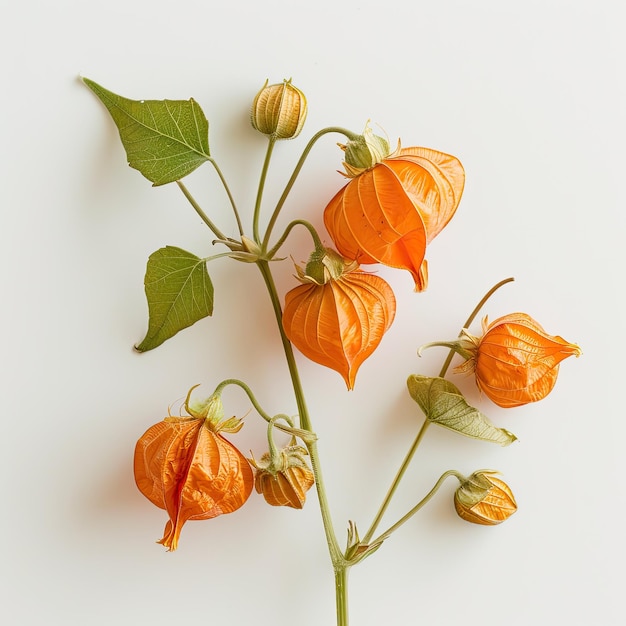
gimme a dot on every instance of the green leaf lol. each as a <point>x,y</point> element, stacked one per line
<point>444,404</point>
<point>164,139</point>
<point>179,292</point>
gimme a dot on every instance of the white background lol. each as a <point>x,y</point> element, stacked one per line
<point>529,95</point>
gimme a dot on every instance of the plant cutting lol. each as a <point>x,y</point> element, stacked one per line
<point>395,202</point>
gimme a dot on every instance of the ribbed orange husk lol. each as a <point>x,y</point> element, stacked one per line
<point>341,323</point>
<point>496,506</point>
<point>191,472</point>
<point>285,488</point>
<point>517,362</point>
<point>390,212</point>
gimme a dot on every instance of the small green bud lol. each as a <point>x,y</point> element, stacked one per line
<point>364,152</point>
<point>279,111</point>
<point>325,264</point>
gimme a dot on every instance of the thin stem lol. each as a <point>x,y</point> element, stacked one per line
<point>411,453</point>
<point>305,435</point>
<point>296,171</point>
<point>239,383</point>
<point>470,319</point>
<point>221,255</point>
<point>229,194</point>
<point>419,505</point>
<point>316,238</point>
<point>273,450</point>
<point>259,195</point>
<point>199,211</point>
<point>396,482</point>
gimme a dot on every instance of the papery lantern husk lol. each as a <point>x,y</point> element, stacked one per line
<point>372,220</point>
<point>340,323</point>
<point>434,181</point>
<point>287,487</point>
<point>516,362</point>
<point>193,473</point>
<point>389,213</point>
<point>484,499</point>
<point>283,476</point>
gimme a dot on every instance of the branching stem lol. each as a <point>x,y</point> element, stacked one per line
<point>341,564</point>
<point>331,129</point>
<point>412,450</point>
<point>419,505</point>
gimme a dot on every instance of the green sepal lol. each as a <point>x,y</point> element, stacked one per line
<point>355,550</point>
<point>179,292</point>
<point>366,150</point>
<point>164,139</point>
<point>443,404</point>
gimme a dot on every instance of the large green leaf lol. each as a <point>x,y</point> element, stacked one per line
<point>164,139</point>
<point>444,404</point>
<point>179,292</point>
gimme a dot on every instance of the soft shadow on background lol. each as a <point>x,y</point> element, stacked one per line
<point>531,98</point>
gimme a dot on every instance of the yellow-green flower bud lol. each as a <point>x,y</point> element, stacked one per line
<point>279,110</point>
<point>484,499</point>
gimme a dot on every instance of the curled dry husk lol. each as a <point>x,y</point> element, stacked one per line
<point>515,361</point>
<point>390,211</point>
<point>338,320</point>
<point>484,499</point>
<point>284,481</point>
<point>185,466</point>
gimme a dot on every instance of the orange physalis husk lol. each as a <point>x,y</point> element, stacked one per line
<point>185,466</point>
<point>390,211</point>
<point>284,481</point>
<point>515,361</point>
<point>338,320</point>
<point>484,499</point>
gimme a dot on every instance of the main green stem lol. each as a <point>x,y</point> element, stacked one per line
<point>339,562</point>
<point>340,565</point>
<point>341,595</point>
